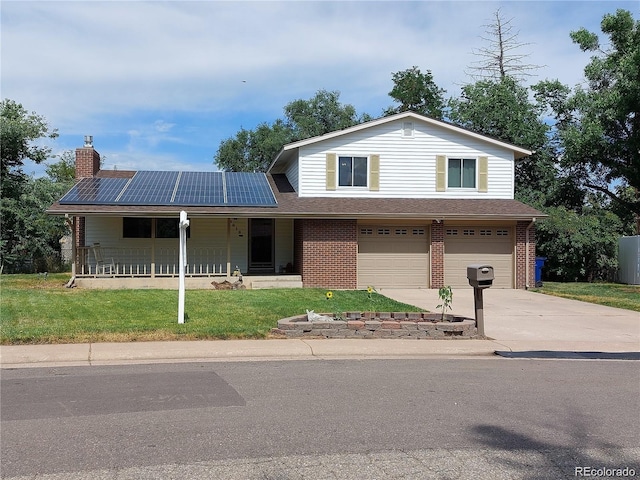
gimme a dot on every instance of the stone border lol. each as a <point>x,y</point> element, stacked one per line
<point>382,325</point>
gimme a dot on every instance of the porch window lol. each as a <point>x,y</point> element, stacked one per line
<point>352,171</point>
<point>461,173</point>
<point>134,227</point>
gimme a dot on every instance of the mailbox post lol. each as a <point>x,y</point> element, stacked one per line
<point>480,277</point>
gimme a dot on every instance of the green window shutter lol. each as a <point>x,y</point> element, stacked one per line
<point>374,173</point>
<point>331,171</point>
<point>441,173</point>
<point>483,174</point>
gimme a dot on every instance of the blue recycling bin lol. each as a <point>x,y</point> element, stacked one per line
<point>539,264</point>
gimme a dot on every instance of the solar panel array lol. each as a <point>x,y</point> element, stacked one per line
<point>175,188</point>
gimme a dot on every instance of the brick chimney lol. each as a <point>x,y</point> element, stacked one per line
<point>87,165</point>
<point>87,159</point>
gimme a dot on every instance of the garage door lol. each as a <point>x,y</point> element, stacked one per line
<point>393,256</point>
<point>467,245</point>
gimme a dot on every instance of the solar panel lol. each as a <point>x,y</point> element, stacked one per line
<point>231,189</point>
<point>149,188</point>
<point>94,191</point>
<point>199,188</point>
<point>244,189</point>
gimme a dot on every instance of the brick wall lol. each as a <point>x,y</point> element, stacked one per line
<point>327,252</point>
<point>87,162</point>
<point>521,255</point>
<point>437,254</point>
<point>87,165</point>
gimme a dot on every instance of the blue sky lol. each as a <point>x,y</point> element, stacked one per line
<point>160,84</point>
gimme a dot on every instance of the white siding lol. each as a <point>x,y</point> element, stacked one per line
<point>292,174</point>
<point>407,164</point>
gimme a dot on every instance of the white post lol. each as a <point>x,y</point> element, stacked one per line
<point>184,223</point>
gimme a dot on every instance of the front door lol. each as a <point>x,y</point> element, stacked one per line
<point>261,245</point>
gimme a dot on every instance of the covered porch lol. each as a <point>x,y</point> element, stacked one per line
<point>143,252</point>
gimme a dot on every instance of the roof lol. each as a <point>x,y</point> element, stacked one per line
<point>289,205</point>
<point>287,150</point>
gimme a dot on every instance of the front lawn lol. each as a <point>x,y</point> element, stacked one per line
<point>38,310</point>
<point>609,294</point>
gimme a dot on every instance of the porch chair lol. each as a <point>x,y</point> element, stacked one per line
<point>102,267</point>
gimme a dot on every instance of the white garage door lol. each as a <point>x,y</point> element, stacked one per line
<point>393,256</point>
<point>487,245</point>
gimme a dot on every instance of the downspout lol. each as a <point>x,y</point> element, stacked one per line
<point>526,268</point>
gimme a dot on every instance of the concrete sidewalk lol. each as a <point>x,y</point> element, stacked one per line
<point>516,320</point>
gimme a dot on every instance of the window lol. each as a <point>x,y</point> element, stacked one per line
<point>452,232</point>
<point>462,173</point>
<point>407,129</point>
<point>401,231</point>
<point>366,231</point>
<point>133,227</point>
<point>418,231</point>
<point>352,171</point>
<point>468,232</point>
<point>485,233</point>
<point>167,228</point>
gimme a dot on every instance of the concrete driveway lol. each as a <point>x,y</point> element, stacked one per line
<point>524,320</point>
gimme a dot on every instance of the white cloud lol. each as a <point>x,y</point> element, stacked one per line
<point>112,67</point>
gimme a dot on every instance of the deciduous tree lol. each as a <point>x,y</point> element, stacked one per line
<point>598,124</point>
<point>418,92</point>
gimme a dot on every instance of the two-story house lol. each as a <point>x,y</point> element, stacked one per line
<point>401,201</point>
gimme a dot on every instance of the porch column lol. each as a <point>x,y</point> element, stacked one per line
<point>437,254</point>
<point>228,247</point>
<point>153,248</point>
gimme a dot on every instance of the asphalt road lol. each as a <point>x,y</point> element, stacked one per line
<point>411,419</point>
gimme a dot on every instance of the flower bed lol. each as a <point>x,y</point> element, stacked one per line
<point>380,325</point>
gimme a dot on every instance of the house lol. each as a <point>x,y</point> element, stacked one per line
<point>401,201</point>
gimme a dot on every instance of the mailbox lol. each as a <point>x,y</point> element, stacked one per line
<point>480,276</point>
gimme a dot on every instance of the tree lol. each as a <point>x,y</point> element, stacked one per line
<point>254,150</point>
<point>417,92</point>
<point>19,130</point>
<point>323,113</point>
<point>30,239</point>
<point>498,59</point>
<point>64,170</point>
<point>579,246</point>
<point>26,229</point>
<point>502,109</point>
<point>598,125</point>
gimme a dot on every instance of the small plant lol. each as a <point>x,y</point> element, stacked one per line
<point>446,297</point>
<point>337,314</point>
<point>370,291</point>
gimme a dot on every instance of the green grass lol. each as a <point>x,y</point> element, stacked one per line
<point>37,310</point>
<point>609,294</point>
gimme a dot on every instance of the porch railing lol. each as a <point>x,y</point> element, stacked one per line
<point>148,262</point>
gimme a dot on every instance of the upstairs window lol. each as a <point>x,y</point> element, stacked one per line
<point>461,173</point>
<point>352,171</point>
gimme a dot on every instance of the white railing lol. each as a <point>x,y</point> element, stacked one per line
<point>145,262</point>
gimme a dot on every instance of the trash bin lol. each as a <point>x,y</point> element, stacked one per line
<point>539,264</point>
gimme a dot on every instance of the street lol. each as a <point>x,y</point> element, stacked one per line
<point>279,420</point>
